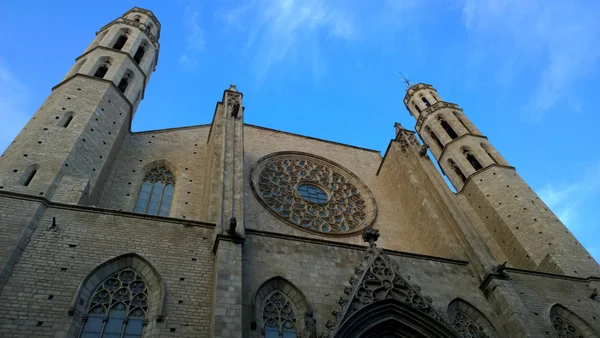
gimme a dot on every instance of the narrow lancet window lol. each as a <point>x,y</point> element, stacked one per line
<point>28,175</point>
<point>120,42</point>
<point>125,80</point>
<point>102,68</point>
<point>425,101</point>
<point>139,54</point>
<point>448,129</point>
<point>416,107</point>
<point>457,171</point>
<point>156,193</point>
<point>434,137</point>
<point>471,158</point>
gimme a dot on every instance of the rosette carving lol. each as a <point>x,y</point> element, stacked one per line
<point>313,193</point>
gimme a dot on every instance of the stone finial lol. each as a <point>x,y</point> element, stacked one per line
<point>370,235</point>
<point>232,88</point>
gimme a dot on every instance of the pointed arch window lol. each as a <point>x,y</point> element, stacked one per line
<point>457,170</point>
<point>416,107</point>
<point>471,158</point>
<point>125,81</point>
<point>567,324</point>
<point>102,68</point>
<point>434,137</point>
<point>117,308</point>
<point>121,40</point>
<point>448,128</point>
<point>425,101</point>
<point>139,54</point>
<point>279,316</point>
<point>468,321</point>
<point>156,193</point>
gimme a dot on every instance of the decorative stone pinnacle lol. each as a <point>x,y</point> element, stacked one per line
<point>370,235</point>
<point>232,88</point>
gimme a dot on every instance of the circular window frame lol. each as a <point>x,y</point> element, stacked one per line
<point>314,184</point>
<point>370,205</point>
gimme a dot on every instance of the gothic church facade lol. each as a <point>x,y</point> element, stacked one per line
<point>234,230</point>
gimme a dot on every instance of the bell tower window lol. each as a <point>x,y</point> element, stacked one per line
<point>123,36</point>
<point>471,158</point>
<point>425,101</point>
<point>448,129</point>
<point>125,80</point>
<point>434,137</point>
<point>139,54</point>
<point>457,171</point>
<point>102,68</point>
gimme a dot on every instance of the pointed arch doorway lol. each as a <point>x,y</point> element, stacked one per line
<point>390,318</point>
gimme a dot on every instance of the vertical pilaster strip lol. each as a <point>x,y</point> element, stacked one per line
<point>227,207</point>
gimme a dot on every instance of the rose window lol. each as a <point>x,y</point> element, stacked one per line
<point>313,193</point>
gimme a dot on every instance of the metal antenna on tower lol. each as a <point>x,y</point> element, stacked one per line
<point>408,83</point>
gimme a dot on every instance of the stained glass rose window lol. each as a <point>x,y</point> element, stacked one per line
<point>313,193</point>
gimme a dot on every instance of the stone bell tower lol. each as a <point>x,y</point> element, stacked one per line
<point>65,151</point>
<point>517,225</point>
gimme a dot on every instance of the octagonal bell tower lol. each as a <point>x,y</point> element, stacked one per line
<point>65,151</point>
<point>499,201</point>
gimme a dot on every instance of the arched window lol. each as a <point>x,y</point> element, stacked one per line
<point>461,121</point>
<point>487,151</point>
<point>434,137</point>
<point>278,306</point>
<point>136,18</point>
<point>468,321</point>
<point>117,307</point>
<point>471,158</point>
<point>28,175</point>
<point>416,107</point>
<point>139,54</point>
<point>567,324</point>
<point>448,128</point>
<point>279,317</point>
<point>123,36</point>
<point>457,170</point>
<point>103,67</point>
<point>125,81</point>
<point>425,101</point>
<point>156,192</point>
<point>65,120</point>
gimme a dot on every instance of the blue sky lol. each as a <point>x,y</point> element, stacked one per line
<point>525,72</point>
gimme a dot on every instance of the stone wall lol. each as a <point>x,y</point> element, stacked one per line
<point>38,295</point>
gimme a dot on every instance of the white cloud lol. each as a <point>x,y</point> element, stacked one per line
<point>13,96</point>
<point>289,30</point>
<point>194,41</point>
<point>568,202</point>
<point>556,39</point>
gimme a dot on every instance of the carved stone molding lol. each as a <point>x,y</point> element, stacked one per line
<point>379,278</point>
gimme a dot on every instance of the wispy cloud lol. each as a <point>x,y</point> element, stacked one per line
<point>289,30</point>
<point>555,41</point>
<point>569,200</point>
<point>13,96</point>
<point>194,41</point>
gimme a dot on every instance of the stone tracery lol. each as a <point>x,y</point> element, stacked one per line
<point>280,182</point>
